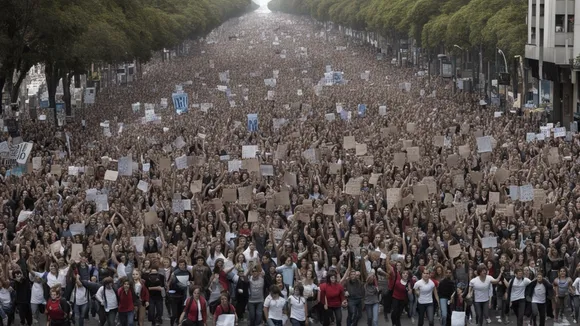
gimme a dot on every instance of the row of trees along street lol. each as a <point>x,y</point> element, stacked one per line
<point>434,26</point>
<point>68,36</point>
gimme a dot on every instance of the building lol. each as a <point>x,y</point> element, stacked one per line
<point>551,54</point>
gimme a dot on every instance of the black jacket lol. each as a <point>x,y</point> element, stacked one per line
<point>530,290</point>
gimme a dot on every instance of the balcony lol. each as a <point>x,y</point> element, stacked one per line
<point>560,39</point>
<point>556,55</point>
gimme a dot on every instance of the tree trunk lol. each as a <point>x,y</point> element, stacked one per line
<point>515,78</point>
<point>16,88</point>
<point>52,78</point>
<point>66,80</point>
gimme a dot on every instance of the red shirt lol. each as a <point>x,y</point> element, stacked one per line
<point>400,291</point>
<point>126,303</point>
<point>220,310</point>
<point>54,310</point>
<point>192,314</point>
<point>333,293</point>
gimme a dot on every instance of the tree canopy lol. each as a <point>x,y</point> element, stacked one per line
<point>67,36</point>
<point>431,23</point>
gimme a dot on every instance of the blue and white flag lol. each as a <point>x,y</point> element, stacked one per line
<point>362,110</point>
<point>180,102</point>
<point>252,122</point>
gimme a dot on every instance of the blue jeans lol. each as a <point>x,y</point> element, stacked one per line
<point>443,304</point>
<point>296,322</point>
<point>79,313</point>
<point>372,314</point>
<point>255,313</point>
<point>274,322</point>
<point>354,311</point>
<point>428,308</point>
<point>412,305</point>
<point>127,318</point>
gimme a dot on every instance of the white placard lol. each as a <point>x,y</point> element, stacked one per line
<point>489,242</point>
<point>143,186</point>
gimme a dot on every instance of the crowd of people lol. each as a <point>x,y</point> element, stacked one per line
<point>377,191</point>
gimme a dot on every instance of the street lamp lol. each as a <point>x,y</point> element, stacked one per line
<point>506,71</point>
<point>504,60</point>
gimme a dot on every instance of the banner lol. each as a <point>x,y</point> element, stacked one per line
<point>90,95</point>
<point>164,103</point>
<point>10,155</point>
<point>180,102</point>
<point>136,107</point>
<point>252,122</point>
<point>362,109</point>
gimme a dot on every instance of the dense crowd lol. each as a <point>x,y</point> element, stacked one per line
<point>378,190</point>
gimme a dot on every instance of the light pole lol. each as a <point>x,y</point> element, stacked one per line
<point>504,60</point>
<point>455,68</point>
<point>506,70</point>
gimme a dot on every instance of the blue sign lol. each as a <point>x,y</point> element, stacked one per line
<point>252,122</point>
<point>44,104</point>
<point>344,114</point>
<point>59,107</point>
<point>337,77</point>
<point>180,102</point>
<point>362,110</point>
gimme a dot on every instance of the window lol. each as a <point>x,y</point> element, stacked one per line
<point>560,23</point>
<point>541,10</point>
<point>570,23</point>
<point>534,10</point>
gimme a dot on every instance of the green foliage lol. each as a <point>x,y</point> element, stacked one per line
<point>432,23</point>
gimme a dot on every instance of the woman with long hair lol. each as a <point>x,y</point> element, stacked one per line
<point>401,290</point>
<point>195,311</point>
<point>562,290</point>
<point>256,299</point>
<point>142,293</point>
<point>371,300</point>
<point>331,296</point>
<point>274,307</point>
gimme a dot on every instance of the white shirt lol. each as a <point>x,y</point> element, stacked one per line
<point>539,295</point>
<point>211,262</point>
<point>425,291</point>
<point>275,307</point>
<point>481,289</point>
<point>297,308</point>
<point>576,286</point>
<point>249,255</point>
<point>519,288</point>
<point>5,297</point>
<point>52,280</point>
<point>37,292</point>
<point>112,302</point>
<point>121,272</point>
<point>81,296</point>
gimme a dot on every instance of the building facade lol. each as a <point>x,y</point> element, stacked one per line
<point>552,50</point>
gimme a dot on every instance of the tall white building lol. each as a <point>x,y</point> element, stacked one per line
<point>551,51</point>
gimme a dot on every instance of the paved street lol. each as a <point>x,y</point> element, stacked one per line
<point>405,321</point>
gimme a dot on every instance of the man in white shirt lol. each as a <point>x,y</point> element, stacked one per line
<point>517,292</point>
